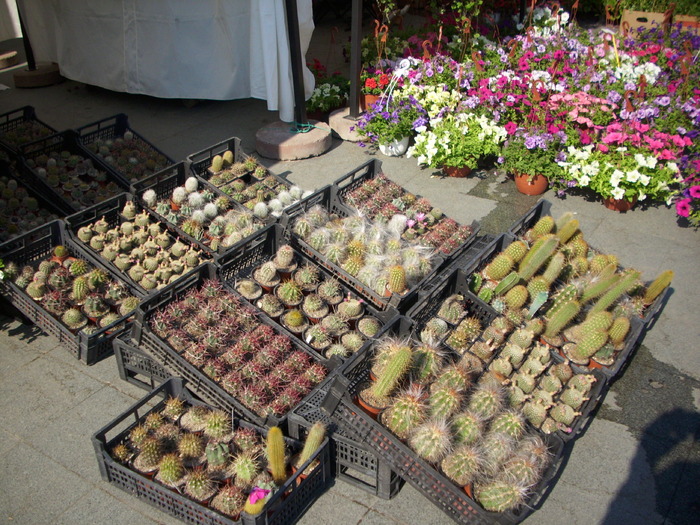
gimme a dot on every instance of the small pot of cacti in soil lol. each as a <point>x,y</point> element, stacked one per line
<point>335,325</point>
<point>271,305</point>
<point>249,289</point>
<point>290,293</point>
<point>285,261</point>
<point>59,254</point>
<point>351,310</point>
<point>369,326</point>
<point>330,291</point>
<point>294,321</point>
<point>266,276</point>
<point>307,276</point>
<point>314,307</point>
<point>352,340</point>
<point>317,337</point>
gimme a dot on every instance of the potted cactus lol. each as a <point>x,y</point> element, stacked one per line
<point>294,321</point>
<point>271,305</point>
<point>314,307</point>
<point>249,289</point>
<point>317,337</point>
<point>266,276</point>
<point>330,291</point>
<point>290,293</point>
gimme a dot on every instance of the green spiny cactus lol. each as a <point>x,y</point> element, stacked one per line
<point>499,267</point>
<point>290,292</point>
<point>535,412</point>
<point>497,447</point>
<point>659,284</point>
<point>582,382</point>
<point>506,283</point>
<point>406,413</point>
<point>501,365</point>
<point>600,283</point>
<point>486,400</point>
<point>397,279</point>
<point>516,250</point>
<point>350,308</point>
<point>619,330</point>
<point>573,397</point>
<point>284,258</point>
<point>217,163</point>
<point>463,464</point>
<point>521,337</point>
<point>396,368</point>
<point>190,445</point>
<point>525,381</point>
<point>427,363</point>
<point>537,285</point>
<point>36,290</point>
<point>543,226</point>
<point>588,345</point>
<point>198,484</point>
<point>74,319</point>
<point>567,230</point>
<point>561,371</point>
<point>434,330</point>
<point>276,455</point>
<point>217,425</point>
<point>467,427</point>
<point>151,452</point>
<point>564,414</point>
<point>625,284</point>
<point>510,422</point>
<point>514,353</point>
<point>561,318</point>
<point>537,256</point>
<point>314,440</point>
<point>550,383</point>
<point>369,326</point>
<point>170,469</point>
<point>294,318</point>
<point>522,469</point>
<point>444,402</point>
<point>245,467</point>
<point>452,308</point>
<point>532,366</point>
<point>353,265</point>
<point>229,500</point>
<point>174,408</point>
<point>516,297</point>
<point>431,440</point>
<point>266,274</point>
<point>516,397</point>
<point>554,267</point>
<point>352,340</point>
<point>314,306</point>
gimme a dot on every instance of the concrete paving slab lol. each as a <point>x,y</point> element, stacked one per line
<point>325,509</point>
<point>98,507</point>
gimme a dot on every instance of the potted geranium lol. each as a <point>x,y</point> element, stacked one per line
<point>390,124</point>
<point>373,82</point>
<point>530,155</point>
<point>457,141</point>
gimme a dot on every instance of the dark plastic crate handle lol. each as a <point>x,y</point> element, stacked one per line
<point>337,390</point>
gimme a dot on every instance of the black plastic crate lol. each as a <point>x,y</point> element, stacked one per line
<point>261,247</point>
<point>111,210</point>
<point>354,463</point>
<point>325,198</point>
<point>45,211</point>
<point>174,363</point>
<point>114,128</point>
<point>137,367</point>
<point>30,249</point>
<point>285,506</point>
<point>165,181</point>
<point>14,124</point>
<point>371,169</point>
<point>339,405</point>
<point>110,186</point>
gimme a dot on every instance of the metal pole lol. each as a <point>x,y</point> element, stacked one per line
<point>31,63</point>
<point>297,65</point>
<point>355,58</point>
<point>522,10</point>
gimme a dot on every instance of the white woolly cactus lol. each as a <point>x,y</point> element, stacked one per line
<point>285,197</point>
<point>196,200</point>
<point>210,210</point>
<point>179,195</point>
<point>191,184</point>
<point>150,198</point>
<point>397,224</point>
<point>260,210</point>
<point>276,205</point>
<point>199,216</point>
<point>296,192</point>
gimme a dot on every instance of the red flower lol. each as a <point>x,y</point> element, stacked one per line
<point>383,80</point>
<point>371,83</point>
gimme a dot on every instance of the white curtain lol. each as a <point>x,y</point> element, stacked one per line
<point>198,49</point>
<point>9,21</point>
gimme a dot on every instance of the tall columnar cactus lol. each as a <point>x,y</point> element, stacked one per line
<point>537,256</point>
<point>507,283</point>
<point>619,330</point>
<point>395,369</point>
<point>516,250</point>
<point>657,286</point>
<point>406,413</point>
<point>561,318</point>
<point>567,230</point>
<point>588,345</point>
<point>397,279</point>
<point>276,455</point>
<point>600,283</point>
<point>628,281</point>
<point>431,440</point>
<point>554,267</point>
<point>313,441</point>
<point>516,297</point>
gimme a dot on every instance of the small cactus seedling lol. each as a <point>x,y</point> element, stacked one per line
<point>199,485</point>
<point>463,464</point>
<point>170,469</point>
<point>229,500</point>
<point>406,413</point>
<point>500,495</point>
<point>431,440</point>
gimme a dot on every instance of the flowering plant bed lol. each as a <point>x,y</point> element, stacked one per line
<point>192,461</point>
<point>122,148</point>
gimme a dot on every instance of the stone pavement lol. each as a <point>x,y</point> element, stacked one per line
<point>637,463</point>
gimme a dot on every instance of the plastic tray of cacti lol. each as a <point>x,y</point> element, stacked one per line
<point>649,312</point>
<point>25,208</point>
<point>511,352</point>
<point>198,211</point>
<point>137,367</point>
<point>592,327</point>
<point>202,491</point>
<point>321,227</point>
<point>303,297</point>
<point>40,283</point>
<point>451,436</point>
<point>130,156</point>
<point>21,126</point>
<point>368,190</point>
<point>354,462</point>
<point>232,356</point>
<point>246,181</point>
<point>60,166</point>
<point>131,241</point>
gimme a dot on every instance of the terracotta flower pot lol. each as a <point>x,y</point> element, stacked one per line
<point>366,101</point>
<point>460,172</point>
<point>619,205</point>
<point>536,186</point>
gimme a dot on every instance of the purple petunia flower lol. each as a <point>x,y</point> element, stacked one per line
<point>663,100</point>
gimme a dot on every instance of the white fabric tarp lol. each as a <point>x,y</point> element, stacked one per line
<point>189,49</point>
<point>9,21</point>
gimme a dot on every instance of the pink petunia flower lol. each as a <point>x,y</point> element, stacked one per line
<point>511,127</point>
<point>683,207</point>
<point>694,192</point>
